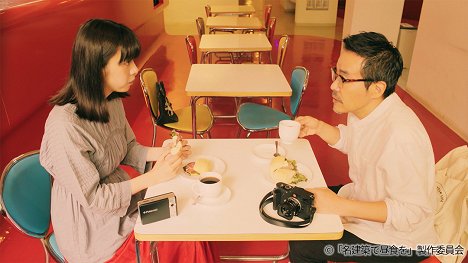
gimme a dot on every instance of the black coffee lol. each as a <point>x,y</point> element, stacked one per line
<point>209,180</point>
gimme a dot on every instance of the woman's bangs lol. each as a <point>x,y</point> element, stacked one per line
<point>130,48</point>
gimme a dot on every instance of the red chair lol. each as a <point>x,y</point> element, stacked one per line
<point>208,10</point>
<point>266,15</point>
<point>191,49</point>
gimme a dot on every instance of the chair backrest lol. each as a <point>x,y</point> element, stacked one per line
<point>148,80</point>
<point>25,188</point>
<point>282,47</point>
<point>267,14</point>
<point>299,80</point>
<point>270,32</point>
<point>191,48</point>
<point>200,26</point>
<point>208,10</point>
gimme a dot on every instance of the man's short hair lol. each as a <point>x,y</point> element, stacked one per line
<point>382,60</point>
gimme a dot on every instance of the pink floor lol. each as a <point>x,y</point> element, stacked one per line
<point>171,63</point>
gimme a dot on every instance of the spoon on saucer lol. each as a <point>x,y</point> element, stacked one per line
<point>276,152</point>
<point>195,201</point>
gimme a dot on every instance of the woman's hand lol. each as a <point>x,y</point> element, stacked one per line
<point>167,165</point>
<point>309,125</point>
<point>186,149</point>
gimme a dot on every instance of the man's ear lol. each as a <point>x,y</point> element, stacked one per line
<point>378,88</point>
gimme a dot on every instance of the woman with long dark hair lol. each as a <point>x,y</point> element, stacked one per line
<point>87,137</point>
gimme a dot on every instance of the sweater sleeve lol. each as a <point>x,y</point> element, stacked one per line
<point>65,154</point>
<point>136,153</point>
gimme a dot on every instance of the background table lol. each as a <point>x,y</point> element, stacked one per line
<point>235,80</point>
<point>230,43</point>
<point>238,219</point>
<point>233,23</point>
<point>217,10</point>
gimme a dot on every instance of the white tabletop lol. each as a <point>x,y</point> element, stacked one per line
<point>237,80</point>
<point>239,218</point>
<point>234,22</point>
<point>232,9</point>
<point>234,43</point>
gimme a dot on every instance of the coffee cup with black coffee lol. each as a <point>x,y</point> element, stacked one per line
<point>209,184</point>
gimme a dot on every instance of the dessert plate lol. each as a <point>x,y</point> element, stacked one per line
<point>266,151</point>
<point>218,165</point>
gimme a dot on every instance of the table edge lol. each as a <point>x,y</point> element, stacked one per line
<point>238,94</point>
<point>238,237</point>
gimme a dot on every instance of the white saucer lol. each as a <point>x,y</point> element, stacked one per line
<point>266,151</point>
<point>218,200</point>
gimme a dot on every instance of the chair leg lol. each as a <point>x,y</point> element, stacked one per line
<point>283,105</point>
<point>137,250</point>
<point>154,252</point>
<point>46,253</point>
<point>239,129</point>
<point>268,134</point>
<point>153,142</point>
<point>248,134</point>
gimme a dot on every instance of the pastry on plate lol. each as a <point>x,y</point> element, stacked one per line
<point>201,165</point>
<point>284,170</point>
<point>176,142</point>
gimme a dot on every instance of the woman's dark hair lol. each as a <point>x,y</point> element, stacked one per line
<point>96,42</point>
<point>382,60</point>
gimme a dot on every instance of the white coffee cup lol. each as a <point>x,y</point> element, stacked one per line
<point>209,184</point>
<point>289,131</point>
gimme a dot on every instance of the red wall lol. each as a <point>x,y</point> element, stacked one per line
<point>36,41</point>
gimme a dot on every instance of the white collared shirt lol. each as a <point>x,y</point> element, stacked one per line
<point>391,159</point>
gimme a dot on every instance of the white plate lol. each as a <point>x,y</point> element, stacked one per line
<point>266,151</point>
<point>219,200</point>
<point>218,165</point>
<point>302,168</point>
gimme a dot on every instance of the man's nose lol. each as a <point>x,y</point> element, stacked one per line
<point>334,86</point>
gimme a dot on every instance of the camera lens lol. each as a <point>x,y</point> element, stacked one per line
<point>289,208</point>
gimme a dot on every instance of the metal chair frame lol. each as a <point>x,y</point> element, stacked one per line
<point>273,258</point>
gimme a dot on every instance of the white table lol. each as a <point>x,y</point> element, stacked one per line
<point>217,10</point>
<point>239,218</point>
<point>235,80</point>
<point>233,43</point>
<point>233,23</point>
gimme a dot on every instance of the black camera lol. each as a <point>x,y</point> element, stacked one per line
<point>292,201</point>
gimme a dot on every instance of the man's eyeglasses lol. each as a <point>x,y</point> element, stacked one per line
<point>342,79</point>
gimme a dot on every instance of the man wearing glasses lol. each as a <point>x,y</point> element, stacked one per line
<point>388,208</point>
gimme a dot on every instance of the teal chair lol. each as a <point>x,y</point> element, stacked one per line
<point>253,117</point>
<point>25,188</point>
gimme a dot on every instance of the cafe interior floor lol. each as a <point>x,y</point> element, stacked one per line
<point>317,52</point>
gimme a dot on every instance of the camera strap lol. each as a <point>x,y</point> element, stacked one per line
<point>279,222</point>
